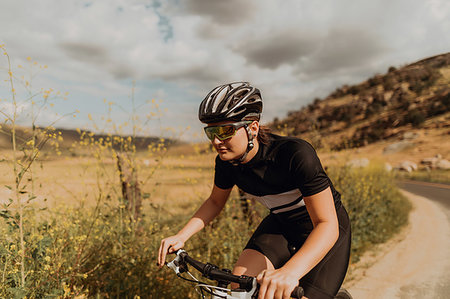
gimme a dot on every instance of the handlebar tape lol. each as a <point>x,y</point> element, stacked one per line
<point>298,292</point>
<point>213,272</point>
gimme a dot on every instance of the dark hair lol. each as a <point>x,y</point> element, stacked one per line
<point>264,131</point>
<point>264,134</point>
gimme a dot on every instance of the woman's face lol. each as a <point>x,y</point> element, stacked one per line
<point>235,146</point>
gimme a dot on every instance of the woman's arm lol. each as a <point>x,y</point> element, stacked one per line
<point>205,214</point>
<point>281,282</point>
<point>325,233</point>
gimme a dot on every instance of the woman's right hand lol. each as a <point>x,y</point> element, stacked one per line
<point>169,245</point>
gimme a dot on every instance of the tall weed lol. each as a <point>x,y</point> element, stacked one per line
<point>376,207</point>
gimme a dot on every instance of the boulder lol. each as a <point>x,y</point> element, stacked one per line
<point>433,162</point>
<point>398,146</point>
<point>358,163</point>
<point>410,136</point>
<point>407,166</point>
<point>443,164</point>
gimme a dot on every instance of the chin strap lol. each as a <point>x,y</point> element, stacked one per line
<point>250,145</point>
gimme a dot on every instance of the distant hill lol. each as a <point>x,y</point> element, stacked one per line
<point>71,136</point>
<point>384,106</point>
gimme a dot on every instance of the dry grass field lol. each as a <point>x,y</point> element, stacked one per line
<point>183,175</point>
<point>73,181</point>
<point>428,143</point>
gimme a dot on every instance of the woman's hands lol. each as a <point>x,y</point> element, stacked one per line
<point>276,284</point>
<point>169,245</point>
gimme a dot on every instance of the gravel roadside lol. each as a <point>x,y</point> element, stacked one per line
<point>414,264</point>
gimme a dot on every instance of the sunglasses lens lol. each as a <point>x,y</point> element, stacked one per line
<point>209,132</point>
<point>226,132</point>
<point>222,132</point>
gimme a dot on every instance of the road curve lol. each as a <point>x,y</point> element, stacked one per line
<point>436,192</point>
<point>416,263</point>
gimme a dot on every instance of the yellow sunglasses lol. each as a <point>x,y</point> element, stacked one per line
<point>225,131</point>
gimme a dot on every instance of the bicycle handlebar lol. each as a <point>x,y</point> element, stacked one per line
<point>212,272</point>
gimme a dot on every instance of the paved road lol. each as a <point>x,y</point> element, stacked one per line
<point>439,193</point>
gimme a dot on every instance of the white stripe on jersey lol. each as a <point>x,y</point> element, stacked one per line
<point>276,200</point>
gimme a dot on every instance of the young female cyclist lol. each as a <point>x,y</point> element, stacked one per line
<point>306,236</point>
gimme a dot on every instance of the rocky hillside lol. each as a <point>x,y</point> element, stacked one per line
<point>416,96</point>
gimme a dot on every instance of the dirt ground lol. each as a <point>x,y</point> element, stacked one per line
<point>414,264</point>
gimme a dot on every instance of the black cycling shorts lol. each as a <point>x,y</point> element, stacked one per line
<point>279,236</point>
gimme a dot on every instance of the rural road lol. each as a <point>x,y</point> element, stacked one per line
<point>416,263</point>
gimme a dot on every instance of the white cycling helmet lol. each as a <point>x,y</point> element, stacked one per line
<point>232,101</point>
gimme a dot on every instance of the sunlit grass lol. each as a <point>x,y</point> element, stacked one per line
<point>434,176</point>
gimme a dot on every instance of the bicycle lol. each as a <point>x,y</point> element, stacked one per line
<point>248,287</point>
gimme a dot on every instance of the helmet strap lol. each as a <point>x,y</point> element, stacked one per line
<point>250,146</point>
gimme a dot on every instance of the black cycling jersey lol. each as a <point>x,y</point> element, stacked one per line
<point>279,175</point>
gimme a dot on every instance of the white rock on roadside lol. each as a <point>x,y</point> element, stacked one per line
<point>361,163</point>
<point>430,161</point>
<point>407,166</point>
<point>436,162</point>
<point>443,164</point>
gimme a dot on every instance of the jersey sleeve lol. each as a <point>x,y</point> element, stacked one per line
<point>305,166</point>
<point>223,176</point>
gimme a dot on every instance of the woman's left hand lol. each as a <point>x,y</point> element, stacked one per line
<point>276,284</point>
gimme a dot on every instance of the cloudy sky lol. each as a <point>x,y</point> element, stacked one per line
<point>177,50</point>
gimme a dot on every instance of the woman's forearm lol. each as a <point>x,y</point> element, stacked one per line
<point>204,215</point>
<point>319,242</point>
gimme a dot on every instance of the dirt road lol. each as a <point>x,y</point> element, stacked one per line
<point>415,264</point>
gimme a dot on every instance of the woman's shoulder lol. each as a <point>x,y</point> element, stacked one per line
<point>296,154</point>
<point>286,145</point>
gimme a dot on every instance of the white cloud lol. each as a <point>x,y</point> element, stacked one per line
<point>8,109</point>
<point>293,50</point>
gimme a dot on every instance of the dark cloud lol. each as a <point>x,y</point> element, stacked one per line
<point>98,56</point>
<point>121,71</point>
<point>343,50</point>
<point>85,52</point>
<point>207,30</point>
<point>228,12</point>
<point>283,48</point>
<point>194,73</point>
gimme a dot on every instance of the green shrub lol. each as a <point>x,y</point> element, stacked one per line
<point>415,117</point>
<point>376,208</point>
<point>98,252</point>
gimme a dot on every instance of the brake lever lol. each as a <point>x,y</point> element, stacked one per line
<point>177,264</point>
